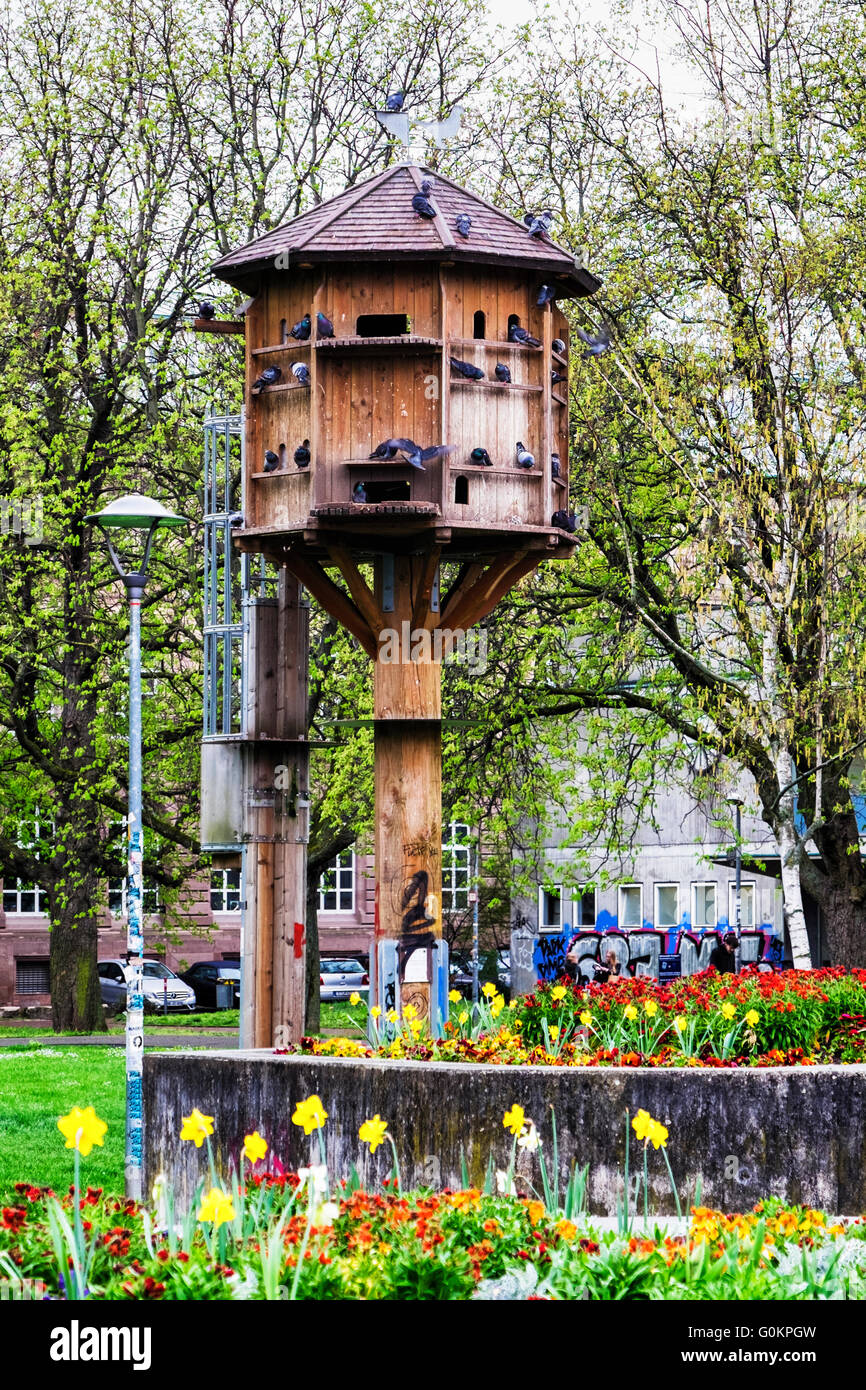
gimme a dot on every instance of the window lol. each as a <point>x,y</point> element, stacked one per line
<point>19,896</point>
<point>585,902</point>
<point>630,905</point>
<point>747,904</point>
<point>456,868</point>
<point>703,904</point>
<point>382,325</point>
<point>667,905</point>
<point>117,886</point>
<point>478,324</point>
<point>337,884</point>
<point>550,909</point>
<point>225,890</point>
<point>32,977</point>
<point>513,320</point>
<point>461,491</point>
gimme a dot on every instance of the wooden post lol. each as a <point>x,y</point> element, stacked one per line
<point>408,745</point>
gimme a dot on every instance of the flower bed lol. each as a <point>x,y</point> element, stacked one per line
<point>754,1019</point>
<point>263,1233</point>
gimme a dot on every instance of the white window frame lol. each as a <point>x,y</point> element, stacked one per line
<point>342,867</point>
<point>546,890</point>
<point>221,887</point>
<point>657,919</point>
<point>456,867</point>
<point>577,913</point>
<point>15,888</point>
<point>620,900</point>
<point>705,883</point>
<point>747,889</point>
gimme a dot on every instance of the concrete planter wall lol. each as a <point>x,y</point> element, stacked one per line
<point>792,1132</point>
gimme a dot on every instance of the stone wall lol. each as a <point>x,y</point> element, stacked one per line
<point>792,1132</point>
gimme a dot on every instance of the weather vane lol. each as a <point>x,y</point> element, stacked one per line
<point>402,126</point>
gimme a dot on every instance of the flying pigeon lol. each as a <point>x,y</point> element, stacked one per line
<point>302,454</point>
<point>555,466</point>
<point>301,373</point>
<point>501,372</point>
<point>384,451</point>
<point>516,334</point>
<point>466,369</point>
<point>463,223</point>
<point>415,455</point>
<point>558,376</point>
<point>539,224</point>
<point>421,202</point>
<point>481,456</point>
<point>596,346</point>
<point>558,345</point>
<point>546,295</point>
<point>206,310</point>
<point>565,521</point>
<point>395,101</point>
<point>524,458</point>
<point>272,461</point>
<point>301,330</point>
<point>324,327</point>
<point>359,493</point>
<point>269,377</point>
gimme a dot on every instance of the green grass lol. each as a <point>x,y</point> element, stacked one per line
<point>344,1015</point>
<point>37,1086</point>
<point>227,1018</point>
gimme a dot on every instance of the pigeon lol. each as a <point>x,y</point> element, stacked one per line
<point>466,369</point>
<point>501,372</point>
<point>481,456</point>
<point>463,223</point>
<point>324,327</point>
<point>565,521</point>
<point>301,330</point>
<point>421,202</point>
<point>539,224</point>
<point>302,454</point>
<point>301,373</point>
<point>206,310</point>
<point>395,101</point>
<point>558,345</point>
<point>597,345</point>
<point>269,377</point>
<point>384,451</point>
<point>524,458</point>
<point>272,461</point>
<point>558,376</point>
<point>546,295</point>
<point>359,493</point>
<point>516,334</point>
<point>415,455</point>
<point>555,466</point>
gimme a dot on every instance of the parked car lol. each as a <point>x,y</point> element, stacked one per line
<point>204,977</point>
<point>460,969</point>
<point>340,978</point>
<point>162,988</point>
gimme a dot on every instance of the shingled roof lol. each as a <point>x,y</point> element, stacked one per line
<point>375,221</point>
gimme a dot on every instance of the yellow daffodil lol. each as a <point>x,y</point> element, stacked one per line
<point>630,1012</point>
<point>216,1207</point>
<point>373,1132</point>
<point>410,1011</point>
<point>558,992</point>
<point>354,997</point>
<point>463,1017</point>
<point>658,1135</point>
<point>311,1114</point>
<point>375,1011</point>
<point>393,1016</point>
<point>417,1027</point>
<point>641,1123</point>
<point>255,1147</point>
<point>498,1005</point>
<point>455,996</point>
<point>514,1119</point>
<point>554,1032</point>
<point>586,1018</point>
<point>728,1010</point>
<point>197,1127</point>
<point>650,1007</point>
<point>512,1003</point>
<point>681,1022</point>
<point>489,990</point>
<point>648,1129</point>
<point>82,1129</point>
<point>753,1017</point>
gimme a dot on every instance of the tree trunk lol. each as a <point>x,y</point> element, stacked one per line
<point>313,1010</point>
<point>845,928</point>
<point>76,997</point>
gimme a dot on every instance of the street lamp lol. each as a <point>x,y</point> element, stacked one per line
<point>738,860</point>
<point>134,513</point>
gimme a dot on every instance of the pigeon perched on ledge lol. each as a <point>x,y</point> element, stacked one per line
<point>556,376</point>
<point>539,225</point>
<point>564,521</point>
<point>269,377</point>
<point>324,327</point>
<point>463,223</point>
<point>516,334</point>
<point>501,372</point>
<point>272,461</point>
<point>421,202</point>
<point>555,465</point>
<point>395,101</point>
<point>481,456</point>
<point>302,454</point>
<point>301,330</point>
<point>466,369</point>
<point>524,458</point>
<point>546,295</point>
<point>558,345</point>
<point>301,373</point>
<point>206,310</point>
<point>359,493</point>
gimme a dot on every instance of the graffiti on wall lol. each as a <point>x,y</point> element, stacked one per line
<point>638,950</point>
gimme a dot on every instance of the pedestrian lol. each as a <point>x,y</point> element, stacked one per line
<point>724,956</point>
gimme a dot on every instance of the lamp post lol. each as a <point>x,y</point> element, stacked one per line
<point>738,861</point>
<point>134,513</point>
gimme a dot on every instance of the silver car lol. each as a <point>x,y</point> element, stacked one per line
<point>162,988</point>
<point>340,978</point>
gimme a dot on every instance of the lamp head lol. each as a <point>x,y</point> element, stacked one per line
<point>134,513</point>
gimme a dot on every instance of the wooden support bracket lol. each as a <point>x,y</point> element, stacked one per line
<point>422,614</point>
<point>361,595</point>
<point>219,326</point>
<point>484,595</point>
<point>331,597</point>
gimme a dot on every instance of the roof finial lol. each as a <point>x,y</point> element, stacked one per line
<point>401,125</point>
